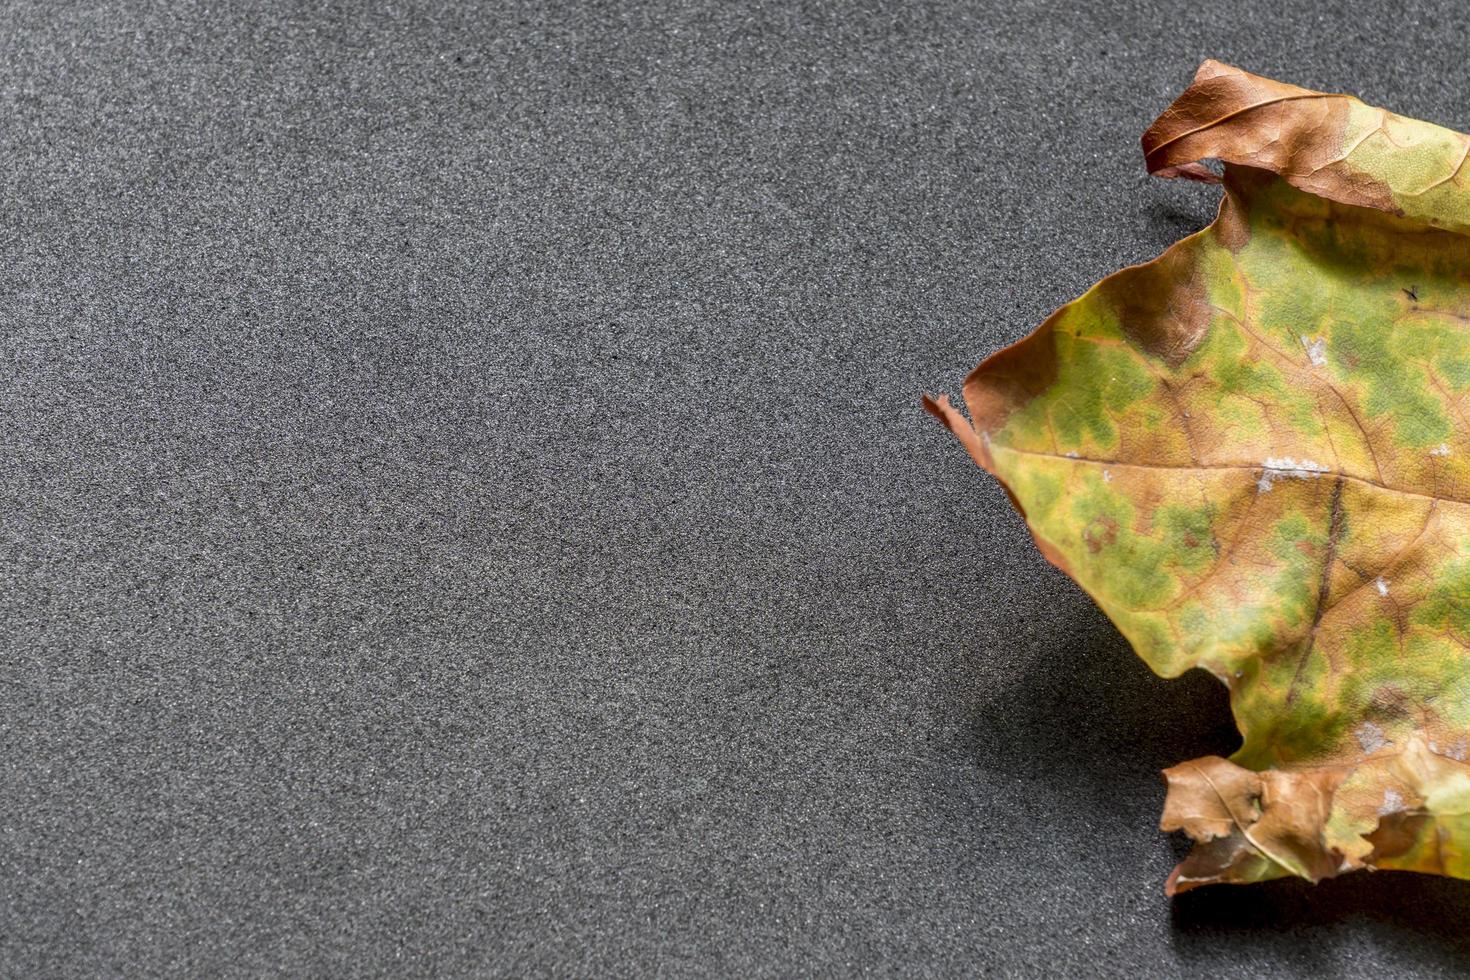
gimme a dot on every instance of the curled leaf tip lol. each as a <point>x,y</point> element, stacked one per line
<point>1254,453</point>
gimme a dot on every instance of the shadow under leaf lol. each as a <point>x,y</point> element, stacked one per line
<point>1425,913</point>
<point>1089,713</point>
<point>1086,709</point>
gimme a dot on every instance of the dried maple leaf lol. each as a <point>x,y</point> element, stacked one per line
<point>1253,453</point>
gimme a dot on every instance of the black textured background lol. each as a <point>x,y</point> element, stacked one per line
<point>465,505</point>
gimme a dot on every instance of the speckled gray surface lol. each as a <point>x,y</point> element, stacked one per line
<point>465,506</point>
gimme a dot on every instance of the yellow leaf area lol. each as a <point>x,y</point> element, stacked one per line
<point>1254,453</point>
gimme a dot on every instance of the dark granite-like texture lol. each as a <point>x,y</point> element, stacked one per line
<point>465,507</point>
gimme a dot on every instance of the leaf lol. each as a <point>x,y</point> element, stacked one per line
<point>1254,453</point>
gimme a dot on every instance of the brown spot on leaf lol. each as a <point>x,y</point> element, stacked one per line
<point>1390,702</point>
<point>1396,835</point>
<point>1101,532</point>
<point>1162,306</point>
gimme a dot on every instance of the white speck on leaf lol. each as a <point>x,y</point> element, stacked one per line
<point>1071,454</point>
<point>1370,737</point>
<point>1107,476</point>
<point>1441,450</point>
<point>1316,350</point>
<point>1392,802</point>
<point>1381,584</point>
<point>1283,467</point>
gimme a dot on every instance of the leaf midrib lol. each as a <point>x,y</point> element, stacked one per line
<point>1227,467</point>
